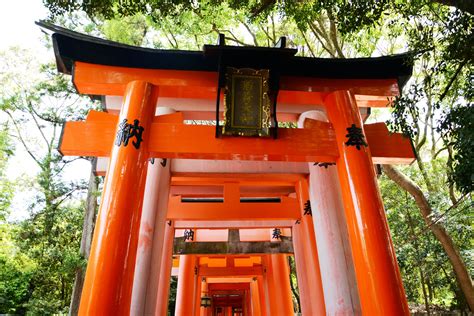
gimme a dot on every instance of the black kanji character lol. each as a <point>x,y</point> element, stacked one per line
<point>127,131</point>
<point>136,131</point>
<point>307,208</point>
<point>188,234</point>
<point>356,137</point>
<point>122,133</point>
<point>324,164</point>
<point>276,233</point>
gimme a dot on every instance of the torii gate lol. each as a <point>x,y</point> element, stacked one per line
<point>315,185</point>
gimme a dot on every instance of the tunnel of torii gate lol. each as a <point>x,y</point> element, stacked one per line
<point>224,207</point>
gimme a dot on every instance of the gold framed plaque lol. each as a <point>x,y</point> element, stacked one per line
<point>246,101</point>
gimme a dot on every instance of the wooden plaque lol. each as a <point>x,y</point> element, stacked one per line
<point>247,104</point>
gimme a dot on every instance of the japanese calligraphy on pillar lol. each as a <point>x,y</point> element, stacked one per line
<point>307,208</point>
<point>324,164</point>
<point>127,131</point>
<point>355,137</point>
<point>188,234</point>
<point>276,234</point>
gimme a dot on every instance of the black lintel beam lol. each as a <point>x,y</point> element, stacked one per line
<point>180,247</point>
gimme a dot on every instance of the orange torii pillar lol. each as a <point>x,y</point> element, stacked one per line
<point>203,311</point>
<point>306,257</point>
<point>109,277</point>
<point>277,279</point>
<point>248,302</point>
<point>378,277</point>
<point>198,285</point>
<point>261,295</point>
<point>335,258</point>
<point>255,298</point>
<point>162,295</point>
<point>150,240</point>
<point>185,296</point>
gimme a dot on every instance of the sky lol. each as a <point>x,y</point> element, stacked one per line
<point>18,28</point>
<point>17,23</point>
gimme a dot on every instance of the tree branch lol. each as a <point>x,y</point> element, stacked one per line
<point>266,4</point>
<point>451,81</point>
<point>273,30</point>
<point>38,126</point>
<point>324,32</point>
<point>269,38</point>
<point>307,43</point>
<point>463,5</point>
<point>333,34</point>
<point>249,30</point>
<point>315,31</point>
<point>233,38</point>
<point>20,137</point>
<point>463,276</point>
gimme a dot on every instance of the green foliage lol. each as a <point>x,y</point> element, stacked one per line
<point>128,30</point>
<point>16,270</point>
<point>458,129</point>
<point>6,187</point>
<point>442,84</point>
<point>53,244</point>
<point>37,266</point>
<point>41,253</point>
<point>172,295</point>
<point>416,247</point>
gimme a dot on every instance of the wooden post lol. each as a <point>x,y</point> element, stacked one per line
<point>267,274</point>
<point>164,279</point>
<point>378,278</point>
<point>335,258</point>
<point>185,297</point>
<point>152,230</point>
<point>261,295</point>
<point>278,285</point>
<point>146,275</point>
<point>306,257</point>
<point>198,285</point>
<point>255,298</point>
<point>109,278</point>
<point>337,268</point>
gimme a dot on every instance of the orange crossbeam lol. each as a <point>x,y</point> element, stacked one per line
<point>386,147</point>
<point>111,80</point>
<point>169,139</point>
<point>228,286</point>
<point>175,140</point>
<point>244,179</point>
<point>230,271</point>
<point>288,208</point>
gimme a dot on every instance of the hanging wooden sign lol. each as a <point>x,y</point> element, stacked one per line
<point>247,103</point>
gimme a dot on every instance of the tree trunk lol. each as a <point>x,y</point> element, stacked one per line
<point>420,263</point>
<point>462,275</point>
<point>86,240</point>
<point>296,294</point>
